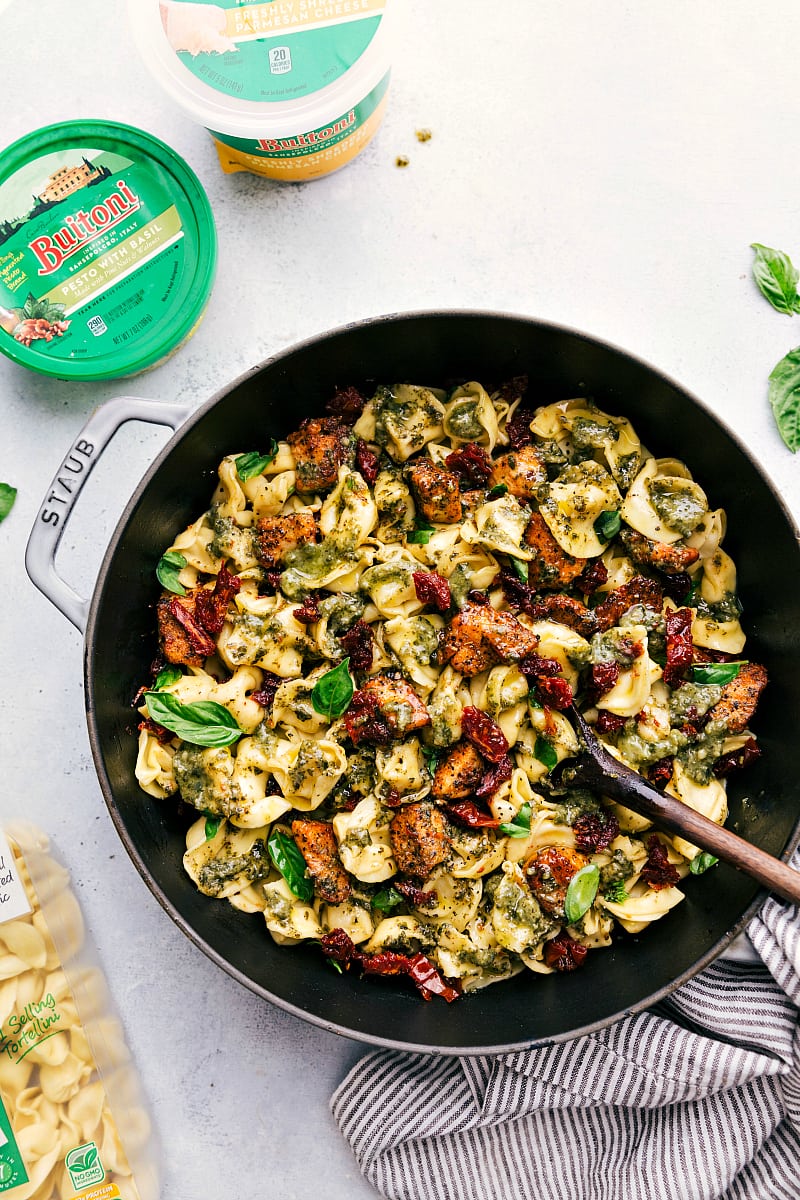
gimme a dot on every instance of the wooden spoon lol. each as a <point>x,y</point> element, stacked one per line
<point>600,771</point>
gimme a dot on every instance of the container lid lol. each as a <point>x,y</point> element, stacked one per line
<point>266,69</point>
<point>107,250</point>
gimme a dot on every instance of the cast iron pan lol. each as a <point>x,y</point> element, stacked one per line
<point>440,349</point>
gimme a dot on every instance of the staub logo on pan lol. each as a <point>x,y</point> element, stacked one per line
<point>76,462</point>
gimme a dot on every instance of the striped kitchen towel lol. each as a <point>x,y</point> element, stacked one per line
<point>706,1100</point>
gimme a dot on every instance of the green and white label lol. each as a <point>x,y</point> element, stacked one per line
<point>12,1168</point>
<point>270,51</point>
<point>84,1166</point>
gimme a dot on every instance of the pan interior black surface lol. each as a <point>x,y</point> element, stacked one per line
<point>440,349</point>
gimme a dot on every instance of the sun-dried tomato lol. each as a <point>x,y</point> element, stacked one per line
<point>471,462</point>
<point>702,655</point>
<point>513,389</point>
<point>308,612</point>
<point>347,404</point>
<point>211,607</point>
<point>157,730</point>
<point>658,872</point>
<point>554,693</point>
<point>431,982</point>
<point>357,644</point>
<point>346,800</point>
<point>602,677</point>
<point>518,428</point>
<point>592,577</point>
<point>340,946</point>
<point>365,722</point>
<point>484,733</point>
<point>392,799</point>
<point>432,588</point>
<point>469,815</point>
<point>519,595</point>
<point>493,777</point>
<point>595,831</point>
<point>677,586</point>
<point>660,773</point>
<point>609,723</point>
<point>366,461</point>
<point>266,693</point>
<point>414,894</point>
<point>680,652</point>
<point>734,760</point>
<point>564,953</point>
<point>476,597</point>
<point>536,666</point>
<point>199,640</point>
<point>271,582</point>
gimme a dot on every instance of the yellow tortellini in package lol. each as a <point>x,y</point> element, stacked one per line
<point>63,1057</point>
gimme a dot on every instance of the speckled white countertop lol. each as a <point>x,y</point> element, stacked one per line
<point>602,165</point>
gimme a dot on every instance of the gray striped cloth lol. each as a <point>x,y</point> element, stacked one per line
<point>706,1088</point>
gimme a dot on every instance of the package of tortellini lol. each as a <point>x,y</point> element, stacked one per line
<point>72,1121</point>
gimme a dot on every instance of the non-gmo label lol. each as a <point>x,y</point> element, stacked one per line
<point>12,1168</point>
<point>270,51</point>
<point>90,241</point>
<point>84,1166</point>
<point>13,897</point>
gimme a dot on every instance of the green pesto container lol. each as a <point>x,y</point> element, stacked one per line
<point>107,250</point>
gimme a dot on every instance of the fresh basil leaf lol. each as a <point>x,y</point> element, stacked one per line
<point>333,691</point>
<point>521,568</point>
<point>252,464</point>
<point>784,397</point>
<point>581,893</point>
<point>520,826</point>
<point>615,892</point>
<point>212,827</point>
<point>499,489</point>
<point>608,525</point>
<point>204,723</point>
<point>421,534</point>
<point>545,752</point>
<point>776,277</point>
<point>167,676</point>
<point>284,852</point>
<point>8,495</point>
<point>701,862</point>
<point>532,700</point>
<point>387,899</point>
<point>431,755</point>
<point>168,569</point>
<point>716,672</point>
<point>336,966</point>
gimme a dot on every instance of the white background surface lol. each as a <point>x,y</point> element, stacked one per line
<point>605,165</point>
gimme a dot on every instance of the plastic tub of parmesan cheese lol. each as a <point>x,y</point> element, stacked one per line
<point>289,89</point>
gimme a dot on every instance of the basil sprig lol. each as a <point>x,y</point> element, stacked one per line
<point>615,892</point>
<point>521,568</point>
<point>287,858</point>
<point>701,862</point>
<point>204,723</point>
<point>581,893</point>
<point>545,752</point>
<point>776,276</point>
<point>499,489</point>
<point>333,691</point>
<point>520,826</point>
<point>8,495</point>
<point>168,569</point>
<point>166,677</point>
<point>608,525</point>
<point>720,673</point>
<point>421,534</point>
<point>251,464</point>
<point>784,397</point>
<point>386,899</point>
<point>212,827</point>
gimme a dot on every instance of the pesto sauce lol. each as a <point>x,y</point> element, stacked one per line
<point>587,432</point>
<point>617,870</point>
<point>463,422</point>
<point>641,753</point>
<point>577,803</point>
<point>679,507</point>
<point>223,868</point>
<point>692,700</point>
<point>522,909</point>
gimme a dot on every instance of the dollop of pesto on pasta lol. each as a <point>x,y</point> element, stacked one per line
<point>369,645</point>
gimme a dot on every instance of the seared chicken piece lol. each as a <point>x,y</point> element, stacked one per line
<point>638,590</point>
<point>479,636</point>
<point>317,844</point>
<point>551,568</point>
<point>522,471</point>
<point>398,703</point>
<point>418,834</point>
<point>669,559</point>
<point>740,697</point>
<point>548,874</point>
<point>278,535</point>
<point>459,773</point>
<point>319,446</point>
<point>173,638</point>
<point>566,611</point>
<point>437,492</point>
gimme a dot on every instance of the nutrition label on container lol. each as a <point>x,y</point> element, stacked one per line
<point>232,46</point>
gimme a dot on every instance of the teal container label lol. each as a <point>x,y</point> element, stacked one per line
<point>90,247</point>
<point>12,1168</point>
<point>276,50</point>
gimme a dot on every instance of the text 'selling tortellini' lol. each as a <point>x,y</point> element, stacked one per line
<point>572,503</point>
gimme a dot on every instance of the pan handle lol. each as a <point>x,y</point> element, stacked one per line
<point>67,485</point>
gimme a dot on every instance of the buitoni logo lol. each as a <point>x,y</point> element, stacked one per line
<point>82,227</point>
